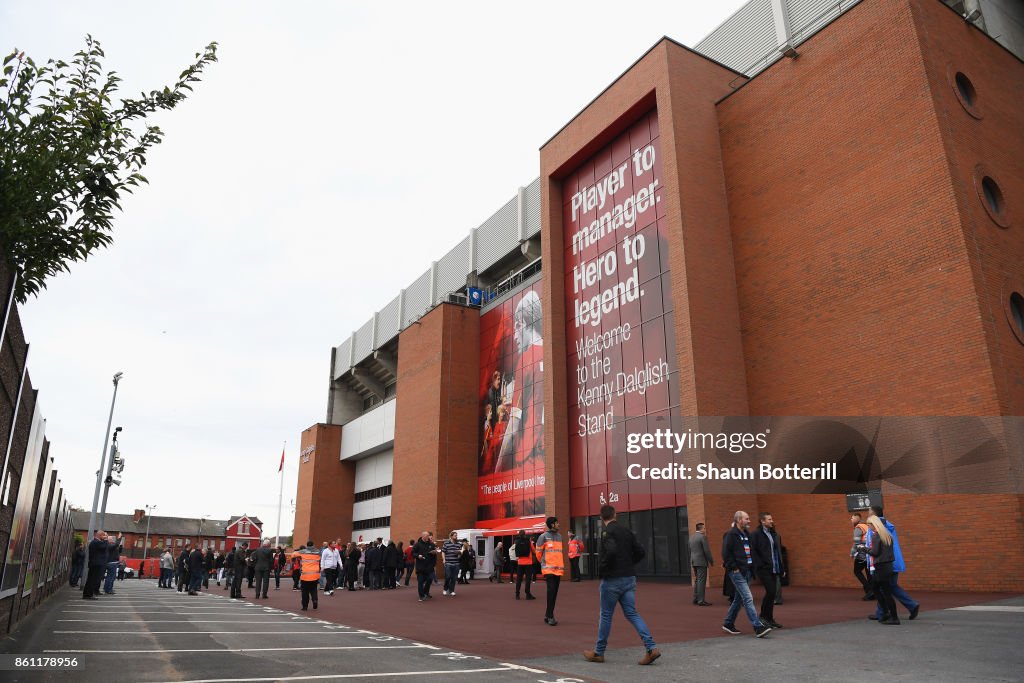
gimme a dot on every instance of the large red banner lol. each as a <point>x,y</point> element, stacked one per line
<point>621,364</point>
<point>511,459</point>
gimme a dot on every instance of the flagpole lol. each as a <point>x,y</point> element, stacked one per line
<point>280,493</point>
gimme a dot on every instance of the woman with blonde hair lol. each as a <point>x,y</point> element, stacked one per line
<point>880,562</point>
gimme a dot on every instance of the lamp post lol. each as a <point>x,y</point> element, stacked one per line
<point>145,544</point>
<point>99,475</point>
<point>116,463</point>
<point>199,540</point>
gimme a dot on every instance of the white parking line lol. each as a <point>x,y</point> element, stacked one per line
<point>279,633</point>
<point>181,614</point>
<point>989,608</point>
<point>179,621</point>
<point>339,676</point>
<point>245,649</point>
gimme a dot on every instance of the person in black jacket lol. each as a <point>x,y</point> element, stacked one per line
<point>352,565</point>
<point>882,554</point>
<point>98,547</point>
<point>209,564</point>
<point>196,567</point>
<point>77,565</point>
<point>229,568</point>
<point>239,567</point>
<point>425,553</point>
<point>737,556</point>
<point>619,553</point>
<point>766,552</point>
<point>182,568</point>
<point>392,561</point>
<point>218,566</point>
<point>373,564</point>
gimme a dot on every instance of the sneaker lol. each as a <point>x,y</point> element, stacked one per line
<point>592,656</point>
<point>649,657</point>
<point>774,624</point>
<point>731,630</point>
<point>422,599</point>
<point>452,594</point>
<point>762,630</point>
<point>444,593</point>
<point>895,621</point>
<point>873,616</point>
<point>704,604</point>
<point>550,621</point>
<point>913,612</point>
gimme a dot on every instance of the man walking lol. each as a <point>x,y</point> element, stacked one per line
<point>575,550</point>
<point>425,552</point>
<point>330,561</point>
<point>619,553</point>
<point>700,560</point>
<point>239,567</point>
<point>181,566</point>
<point>859,555</point>
<point>77,565</point>
<point>524,563</point>
<point>97,564</point>
<point>767,555</point>
<point>452,551</point>
<point>498,561</point>
<point>310,573</point>
<point>736,555</point>
<point>209,564</point>
<point>552,565</point>
<point>263,561</point>
<point>898,567</point>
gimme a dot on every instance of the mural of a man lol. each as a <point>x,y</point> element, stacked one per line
<point>524,436</point>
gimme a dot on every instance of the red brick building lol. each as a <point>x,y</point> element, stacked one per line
<point>173,532</point>
<point>836,234</point>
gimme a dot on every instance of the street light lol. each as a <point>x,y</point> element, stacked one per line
<point>116,464</point>
<point>199,541</point>
<point>145,544</point>
<point>99,474</point>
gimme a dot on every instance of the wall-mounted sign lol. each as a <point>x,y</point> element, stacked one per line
<point>855,502</point>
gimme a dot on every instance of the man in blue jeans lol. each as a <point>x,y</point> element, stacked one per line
<point>619,554</point>
<point>739,563</point>
<point>113,560</point>
<point>452,550</point>
<point>898,567</point>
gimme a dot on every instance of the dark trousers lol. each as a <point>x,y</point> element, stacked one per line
<point>262,582</point>
<point>351,576</point>
<point>574,568</point>
<point>768,602</point>
<point>75,576</point>
<point>92,582</point>
<point>332,577</point>
<point>236,584</point>
<point>277,578</point>
<point>524,570</point>
<point>553,580</point>
<point>700,582</point>
<point>408,573</point>
<point>860,570</point>
<point>376,578</point>
<point>195,583</point>
<point>183,580</point>
<point>295,579</point>
<point>883,590</point>
<point>423,581</point>
<point>206,578</point>
<point>309,591</point>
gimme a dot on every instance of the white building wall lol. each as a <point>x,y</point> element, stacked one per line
<point>370,431</point>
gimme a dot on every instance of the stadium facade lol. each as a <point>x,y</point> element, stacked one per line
<point>814,212</point>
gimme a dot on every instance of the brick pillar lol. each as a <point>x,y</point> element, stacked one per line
<point>435,470</point>
<point>326,490</point>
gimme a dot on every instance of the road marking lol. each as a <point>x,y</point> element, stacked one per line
<point>338,676</point>
<point>244,649</point>
<point>247,633</point>
<point>989,608</point>
<point>178,621</point>
<point>180,614</point>
<point>520,667</point>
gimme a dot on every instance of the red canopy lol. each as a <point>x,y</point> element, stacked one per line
<point>507,527</point>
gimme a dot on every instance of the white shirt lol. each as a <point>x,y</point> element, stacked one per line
<point>330,558</point>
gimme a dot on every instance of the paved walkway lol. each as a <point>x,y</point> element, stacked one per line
<point>147,634</point>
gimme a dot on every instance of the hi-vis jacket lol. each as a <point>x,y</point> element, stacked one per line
<point>575,548</point>
<point>310,558</point>
<point>549,552</point>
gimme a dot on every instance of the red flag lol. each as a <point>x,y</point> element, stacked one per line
<point>281,467</point>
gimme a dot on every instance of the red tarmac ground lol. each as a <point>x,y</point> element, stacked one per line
<point>485,619</point>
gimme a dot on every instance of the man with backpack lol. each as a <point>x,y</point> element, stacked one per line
<point>524,563</point>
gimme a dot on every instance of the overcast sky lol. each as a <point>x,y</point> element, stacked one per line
<point>333,152</point>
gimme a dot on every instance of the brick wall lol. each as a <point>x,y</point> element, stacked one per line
<point>435,466</point>
<point>326,487</point>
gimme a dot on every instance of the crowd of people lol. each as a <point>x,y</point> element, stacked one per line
<point>745,554</point>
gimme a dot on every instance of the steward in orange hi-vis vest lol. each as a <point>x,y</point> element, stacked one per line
<point>310,558</point>
<point>552,565</point>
